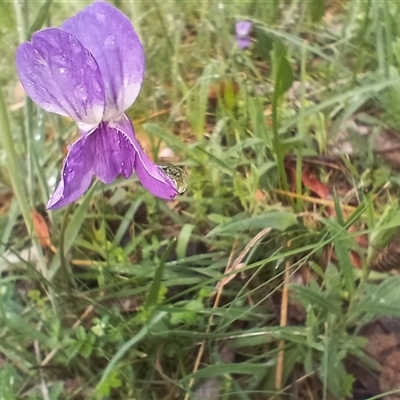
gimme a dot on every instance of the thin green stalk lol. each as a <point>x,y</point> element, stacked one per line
<point>380,47</point>
<point>290,13</point>
<point>275,126</point>
<point>361,39</point>
<point>388,35</point>
<point>32,157</point>
<point>162,23</point>
<point>40,173</point>
<point>277,143</point>
<point>301,128</point>
<point>61,250</point>
<point>21,13</point>
<point>13,162</point>
<point>176,76</point>
<point>13,166</point>
<point>145,330</point>
<point>21,27</point>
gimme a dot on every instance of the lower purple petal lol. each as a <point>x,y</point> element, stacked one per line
<point>106,152</point>
<point>109,151</point>
<point>243,42</point>
<point>114,152</point>
<point>76,175</point>
<point>150,174</point>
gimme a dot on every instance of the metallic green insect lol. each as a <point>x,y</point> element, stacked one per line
<point>177,175</point>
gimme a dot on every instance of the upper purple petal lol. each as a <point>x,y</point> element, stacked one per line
<point>150,174</point>
<point>109,36</point>
<point>59,74</point>
<point>76,174</point>
<point>243,27</point>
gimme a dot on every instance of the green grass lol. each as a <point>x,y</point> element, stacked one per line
<point>126,306</point>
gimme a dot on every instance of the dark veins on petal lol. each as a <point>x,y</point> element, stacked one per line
<point>114,153</point>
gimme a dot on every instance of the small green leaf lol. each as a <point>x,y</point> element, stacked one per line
<point>342,243</point>
<point>56,391</point>
<point>105,386</point>
<point>189,313</point>
<point>217,370</point>
<point>183,240</point>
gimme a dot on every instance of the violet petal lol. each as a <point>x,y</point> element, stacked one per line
<point>60,75</point>
<point>114,152</point>
<point>76,174</point>
<point>110,37</point>
<point>106,152</point>
<point>109,151</point>
<point>150,174</point>
<point>243,42</point>
<point>243,28</point>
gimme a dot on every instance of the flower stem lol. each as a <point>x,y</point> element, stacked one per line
<point>13,162</point>
<point>13,167</point>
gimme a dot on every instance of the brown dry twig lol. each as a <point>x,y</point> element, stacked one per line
<point>283,322</point>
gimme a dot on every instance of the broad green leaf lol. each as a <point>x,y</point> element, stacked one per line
<point>282,70</point>
<point>7,16</point>
<point>263,45</point>
<point>280,220</point>
<point>223,369</point>
<point>342,243</point>
<point>381,299</point>
<point>152,297</point>
<point>316,9</point>
<point>183,240</point>
<point>311,296</point>
<point>40,18</point>
<point>56,391</point>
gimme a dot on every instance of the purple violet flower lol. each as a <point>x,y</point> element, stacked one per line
<point>242,37</point>
<point>91,69</point>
